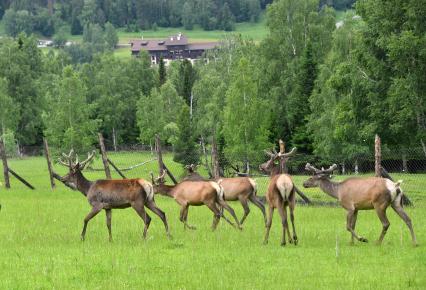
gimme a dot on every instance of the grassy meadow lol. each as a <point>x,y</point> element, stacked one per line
<point>40,245</point>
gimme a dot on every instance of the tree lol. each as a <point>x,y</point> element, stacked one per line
<point>9,113</point>
<point>60,38</point>
<point>68,123</point>
<point>188,16</point>
<point>187,76</point>
<point>111,37</point>
<point>185,149</point>
<point>245,122</point>
<point>162,71</point>
<point>226,19</point>
<point>150,116</point>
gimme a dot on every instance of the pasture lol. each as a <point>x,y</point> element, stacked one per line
<point>40,243</point>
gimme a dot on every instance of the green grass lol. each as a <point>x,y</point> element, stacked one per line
<point>40,246</point>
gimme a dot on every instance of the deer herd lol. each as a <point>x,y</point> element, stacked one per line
<point>353,194</point>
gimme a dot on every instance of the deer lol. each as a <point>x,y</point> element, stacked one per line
<point>243,189</point>
<point>357,193</point>
<point>195,193</point>
<point>281,194</point>
<point>111,194</point>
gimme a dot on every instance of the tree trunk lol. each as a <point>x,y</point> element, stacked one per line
<point>356,167</point>
<point>206,161</point>
<point>114,139</point>
<point>343,168</point>
<point>423,146</point>
<point>404,162</point>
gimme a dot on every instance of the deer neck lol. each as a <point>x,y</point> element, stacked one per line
<point>83,184</point>
<point>167,190</point>
<point>329,187</point>
<point>275,170</point>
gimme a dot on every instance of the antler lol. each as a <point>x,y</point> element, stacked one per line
<point>311,168</point>
<point>89,158</point>
<point>161,178</point>
<point>67,158</point>
<point>270,154</point>
<point>291,153</point>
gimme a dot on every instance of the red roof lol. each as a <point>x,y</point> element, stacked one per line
<point>161,44</point>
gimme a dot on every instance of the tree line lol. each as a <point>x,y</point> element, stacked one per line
<point>323,89</point>
<point>53,16</point>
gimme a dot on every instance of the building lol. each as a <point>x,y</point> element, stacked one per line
<point>174,47</point>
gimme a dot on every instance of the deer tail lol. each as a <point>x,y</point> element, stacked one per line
<point>219,189</point>
<point>149,189</point>
<point>254,185</point>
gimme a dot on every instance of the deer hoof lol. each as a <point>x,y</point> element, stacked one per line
<point>364,240</point>
<point>265,242</point>
<point>283,244</point>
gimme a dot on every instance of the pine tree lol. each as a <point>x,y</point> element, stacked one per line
<point>162,71</point>
<point>186,148</point>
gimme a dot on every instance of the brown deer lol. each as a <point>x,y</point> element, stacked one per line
<point>195,193</point>
<point>280,195</point>
<point>243,189</point>
<point>356,194</point>
<point>111,194</point>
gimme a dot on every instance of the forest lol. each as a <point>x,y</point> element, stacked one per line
<point>325,90</point>
<point>47,17</point>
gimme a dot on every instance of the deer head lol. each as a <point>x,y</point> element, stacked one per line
<point>318,175</point>
<point>75,167</point>
<point>269,166</point>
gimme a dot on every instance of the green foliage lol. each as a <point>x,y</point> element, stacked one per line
<point>111,36</point>
<point>60,38</point>
<point>9,113</point>
<point>245,124</point>
<point>150,116</point>
<point>68,123</point>
<point>162,73</point>
<point>185,149</point>
<point>185,80</point>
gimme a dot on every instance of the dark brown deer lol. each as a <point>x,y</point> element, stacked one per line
<point>196,193</point>
<point>280,195</point>
<point>243,189</point>
<point>112,194</point>
<point>356,194</point>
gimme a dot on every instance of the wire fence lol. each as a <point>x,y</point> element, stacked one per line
<point>138,161</point>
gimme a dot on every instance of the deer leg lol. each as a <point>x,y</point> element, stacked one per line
<point>268,224</point>
<point>381,213</point>
<point>291,206</point>
<point>95,210</point>
<point>108,222</point>
<point>257,203</point>
<point>283,213</point>
<point>400,211</point>
<point>246,208</point>
<point>153,207</point>
<point>144,216</point>
<point>216,212</point>
<point>231,211</point>
<point>349,223</point>
<point>184,217</point>
<point>222,214</point>
<point>353,224</point>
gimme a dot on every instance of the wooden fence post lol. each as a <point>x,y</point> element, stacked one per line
<point>377,156</point>
<point>216,169</point>
<point>5,166</point>
<point>104,156</point>
<point>159,155</point>
<point>49,163</point>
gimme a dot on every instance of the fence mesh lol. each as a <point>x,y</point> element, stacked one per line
<point>138,161</point>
